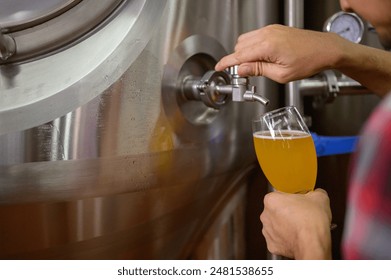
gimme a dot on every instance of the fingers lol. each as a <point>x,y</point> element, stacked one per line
<point>319,194</point>
<point>259,35</point>
<point>320,190</point>
<point>246,50</point>
<point>324,200</point>
<point>227,61</point>
<point>248,54</point>
<point>275,244</point>
<point>249,48</point>
<point>271,244</point>
<point>248,35</point>
<point>267,232</point>
<point>270,199</point>
<point>248,39</point>
<point>287,217</point>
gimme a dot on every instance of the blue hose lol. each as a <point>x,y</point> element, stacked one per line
<point>334,145</point>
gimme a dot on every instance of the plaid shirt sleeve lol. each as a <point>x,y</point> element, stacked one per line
<point>367,233</point>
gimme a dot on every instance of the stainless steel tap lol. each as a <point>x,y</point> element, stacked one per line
<point>242,90</point>
<point>214,88</point>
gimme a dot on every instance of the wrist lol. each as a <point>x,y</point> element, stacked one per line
<point>340,52</point>
<point>314,244</point>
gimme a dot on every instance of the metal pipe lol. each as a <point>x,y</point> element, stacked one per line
<point>294,13</point>
<point>325,88</point>
<point>319,86</point>
<point>190,88</point>
<point>294,17</point>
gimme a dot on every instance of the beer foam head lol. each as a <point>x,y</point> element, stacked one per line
<point>281,134</point>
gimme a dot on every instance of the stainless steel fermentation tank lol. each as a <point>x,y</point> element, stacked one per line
<point>101,157</point>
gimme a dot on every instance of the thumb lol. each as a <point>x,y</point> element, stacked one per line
<point>320,190</point>
<point>318,194</point>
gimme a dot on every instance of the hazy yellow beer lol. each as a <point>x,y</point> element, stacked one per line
<point>288,160</point>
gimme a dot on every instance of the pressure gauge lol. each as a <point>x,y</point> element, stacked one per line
<point>347,25</point>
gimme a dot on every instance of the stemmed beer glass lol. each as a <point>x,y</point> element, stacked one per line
<point>285,150</point>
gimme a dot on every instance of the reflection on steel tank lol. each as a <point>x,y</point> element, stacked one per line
<point>101,157</point>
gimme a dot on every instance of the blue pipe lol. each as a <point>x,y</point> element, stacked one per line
<point>334,145</point>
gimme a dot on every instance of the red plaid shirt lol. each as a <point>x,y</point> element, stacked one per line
<point>367,233</point>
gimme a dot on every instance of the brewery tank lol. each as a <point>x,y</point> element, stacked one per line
<point>100,157</point>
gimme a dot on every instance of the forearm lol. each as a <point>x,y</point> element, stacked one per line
<point>369,66</point>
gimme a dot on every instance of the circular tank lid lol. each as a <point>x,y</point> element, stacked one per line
<point>39,28</point>
<point>26,13</point>
<point>43,88</point>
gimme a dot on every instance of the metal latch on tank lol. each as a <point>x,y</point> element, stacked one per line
<point>327,85</point>
<point>7,46</point>
<point>214,88</point>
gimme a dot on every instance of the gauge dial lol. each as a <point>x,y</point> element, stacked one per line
<point>347,25</point>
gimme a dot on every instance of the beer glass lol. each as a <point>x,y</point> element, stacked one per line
<point>285,150</point>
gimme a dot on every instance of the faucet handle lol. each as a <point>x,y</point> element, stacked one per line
<point>233,70</point>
